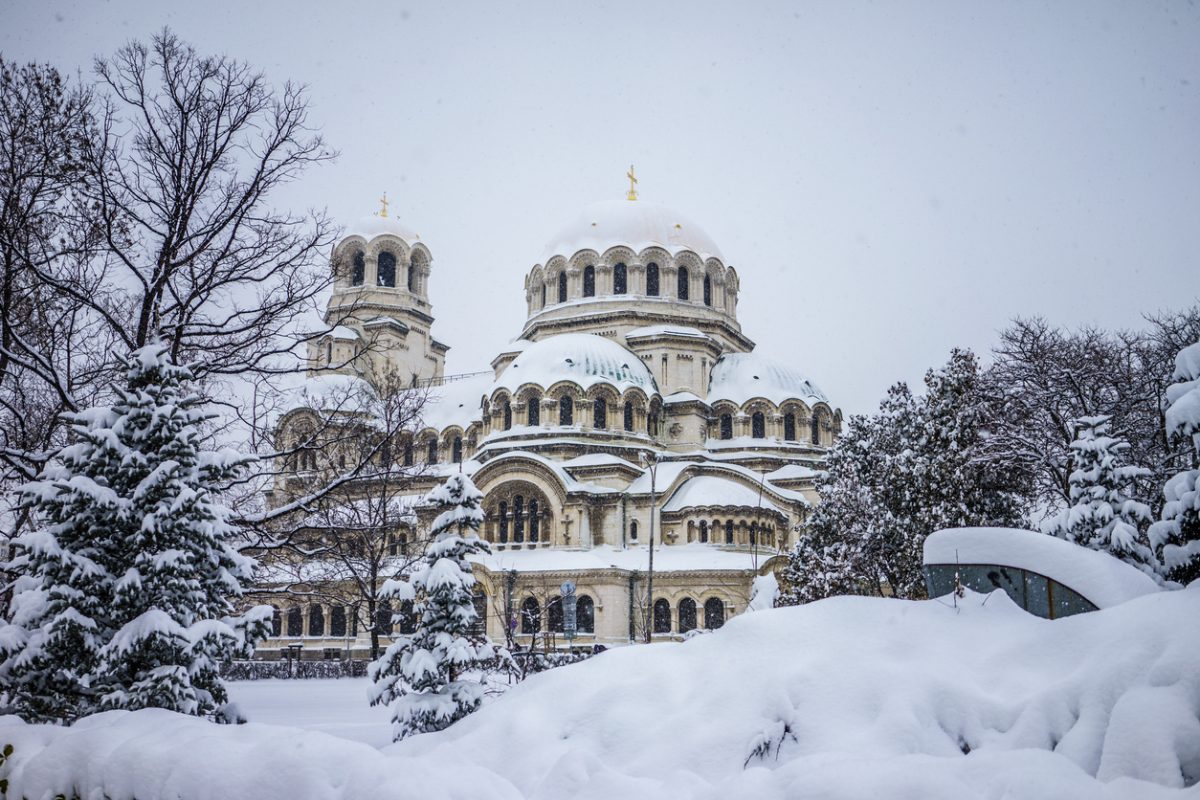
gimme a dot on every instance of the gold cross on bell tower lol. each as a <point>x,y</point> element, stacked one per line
<point>383,206</point>
<point>632,184</point>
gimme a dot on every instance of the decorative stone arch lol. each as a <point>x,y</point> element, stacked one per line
<point>530,397</point>
<point>607,393</point>
<point>502,479</point>
<point>800,414</point>
<point>654,417</point>
<point>343,260</point>
<point>570,389</point>
<point>660,258</point>
<point>640,403</point>
<point>576,264</point>
<point>695,270</point>
<point>500,405</point>
<point>418,262</point>
<point>733,286</point>
<point>724,412</point>
<point>822,423</point>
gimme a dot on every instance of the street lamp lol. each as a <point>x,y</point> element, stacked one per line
<point>651,461</point>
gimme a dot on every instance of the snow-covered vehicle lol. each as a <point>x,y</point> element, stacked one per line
<point>1045,575</point>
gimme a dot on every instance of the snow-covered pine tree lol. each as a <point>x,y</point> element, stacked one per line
<point>423,676</point>
<point>1177,535</point>
<point>1103,514</point>
<point>123,592</point>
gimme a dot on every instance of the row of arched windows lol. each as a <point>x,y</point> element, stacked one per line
<point>714,615</point>
<point>517,517</point>
<point>343,621</point>
<point>566,413</point>
<point>385,274</point>
<point>758,427</point>
<point>717,532</point>
<point>531,615</point>
<point>621,283</point>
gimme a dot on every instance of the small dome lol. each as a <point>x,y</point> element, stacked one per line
<point>581,358</point>
<point>738,377</point>
<point>371,226</point>
<point>635,224</point>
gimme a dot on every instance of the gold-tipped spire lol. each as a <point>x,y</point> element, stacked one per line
<point>632,184</point>
<point>383,203</point>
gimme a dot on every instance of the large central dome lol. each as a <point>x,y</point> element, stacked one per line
<point>633,223</point>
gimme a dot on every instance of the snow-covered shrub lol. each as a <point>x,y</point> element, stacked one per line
<point>1177,535</point>
<point>1103,514</point>
<point>123,591</point>
<point>263,670</point>
<point>422,676</point>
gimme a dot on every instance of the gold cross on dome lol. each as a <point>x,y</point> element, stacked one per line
<point>383,206</point>
<point>632,184</point>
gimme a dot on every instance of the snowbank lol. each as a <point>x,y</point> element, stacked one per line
<point>844,698</point>
<point>1102,579</point>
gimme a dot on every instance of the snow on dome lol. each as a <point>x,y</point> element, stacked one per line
<point>708,490</point>
<point>1100,578</point>
<point>371,226</point>
<point>581,358</point>
<point>738,377</point>
<point>456,402</point>
<point>633,223</point>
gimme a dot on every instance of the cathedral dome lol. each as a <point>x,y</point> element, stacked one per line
<point>738,377</point>
<point>632,223</point>
<point>373,225</point>
<point>583,359</point>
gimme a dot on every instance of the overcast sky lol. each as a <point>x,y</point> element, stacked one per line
<point>890,180</point>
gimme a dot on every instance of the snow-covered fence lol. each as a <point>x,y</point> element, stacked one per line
<point>261,670</point>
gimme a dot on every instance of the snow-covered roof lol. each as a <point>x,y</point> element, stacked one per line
<point>344,333</point>
<point>456,403</point>
<point>668,558</point>
<point>738,377</point>
<point>1102,579</point>
<point>667,330</point>
<point>371,226</point>
<point>791,472</point>
<point>582,358</point>
<point>336,390</point>
<point>636,224</point>
<point>712,490</point>
<point>682,397</point>
<point>596,460</point>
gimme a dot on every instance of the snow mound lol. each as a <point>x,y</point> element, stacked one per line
<point>845,698</point>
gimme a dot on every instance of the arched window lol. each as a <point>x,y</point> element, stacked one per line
<point>620,282</point>
<point>585,614</point>
<point>534,521</point>
<point>408,454</point>
<point>387,269</point>
<point>456,450</point>
<point>408,617</point>
<point>629,415</point>
<point>662,616</point>
<point>503,522</point>
<point>652,280</point>
<point>543,295</point>
<point>276,622</point>
<point>714,613</point>
<point>562,287</point>
<point>506,410</point>
<point>728,531</point>
<point>295,619</point>
<point>531,616</point>
<point>707,290</point>
<point>554,615</point>
<point>652,422</point>
<point>358,269</point>
<point>633,531</point>
<point>789,427</point>
<point>600,413</point>
<point>337,621</point>
<point>534,404</point>
<point>566,410</point>
<point>383,617</point>
<point>412,274</point>
<point>704,530</point>
<point>316,620</point>
<point>753,533</point>
<point>727,426</point>
<point>687,615</point>
<point>758,425</point>
<point>589,281</point>
<point>518,519</point>
<point>682,283</point>
<point>815,433</point>
<point>431,451</point>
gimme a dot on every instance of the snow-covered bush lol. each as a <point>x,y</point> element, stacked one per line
<point>1103,514</point>
<point>422,676</point>
<point>318,670</point>
<point>1177,534</point>
<point>124,590</point>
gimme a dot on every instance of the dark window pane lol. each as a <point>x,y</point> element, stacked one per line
<point>358,270</point>
<point>619,279</point>
<point>387,269</point>
<point>562,287</point>
<point>566,411</point>
<point>600,413</point>
<point>534,405</point>
<point>758,425</point>
<point>531,616</point>
<point>714,613</point>
<point>662,616</point>
<point>628,415</point>
<point>707,291</point>
<point>687,615</point>
<point>585,615</point>
<point>652,280</point>
<point>682,283</point>
<point>789,427</point>
<point>726,426</point>
<point>337,621</point>
<point>589,281</point>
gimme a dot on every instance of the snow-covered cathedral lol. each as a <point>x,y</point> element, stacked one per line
<point>630,406</point>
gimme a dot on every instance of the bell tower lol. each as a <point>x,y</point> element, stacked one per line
<point>379,312</point>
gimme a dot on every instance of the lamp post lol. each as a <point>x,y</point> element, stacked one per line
<point>651,461</point>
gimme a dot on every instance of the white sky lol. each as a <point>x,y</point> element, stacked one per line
<point>889,180</point>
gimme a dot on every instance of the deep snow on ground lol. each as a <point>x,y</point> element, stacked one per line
<point>849,697</point>
<point>337,707</point>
